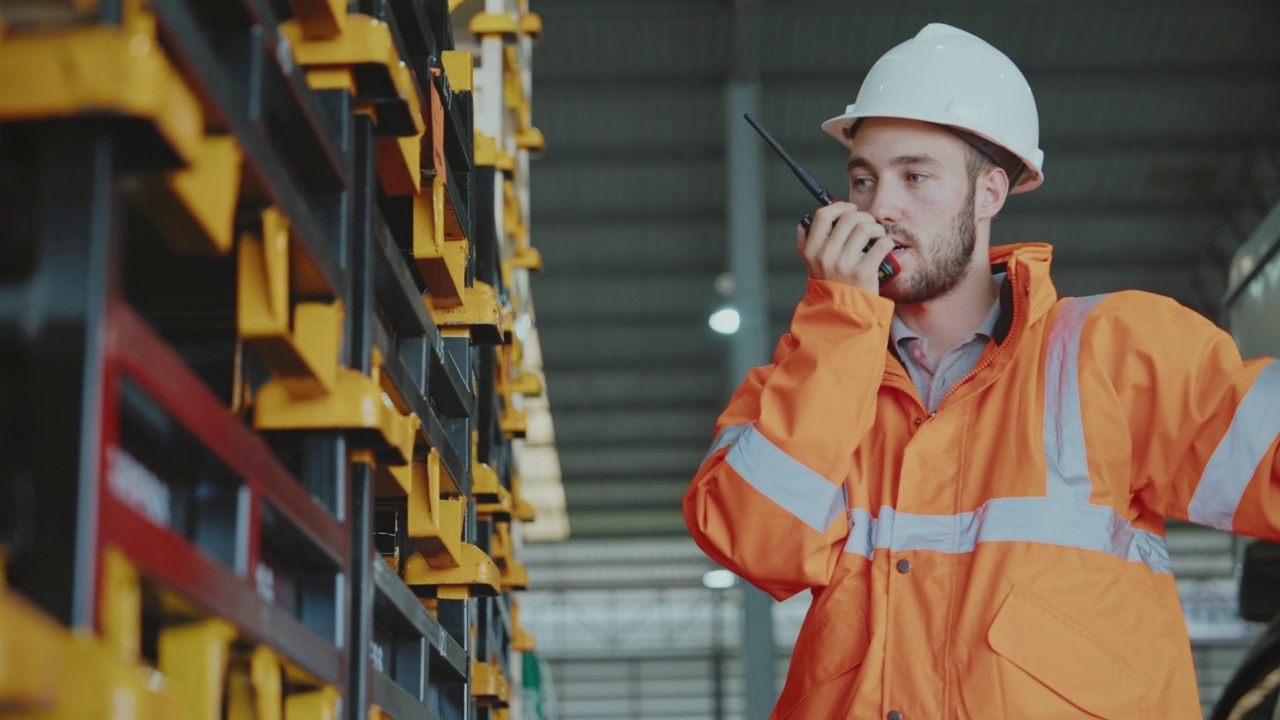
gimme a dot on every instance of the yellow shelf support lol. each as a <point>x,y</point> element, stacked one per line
<point>480,315</point>
<point>489,686</point>
<point>487,25</point>
<point>255,689</point>
<point>531,139</point>
<point>195,657</point>
<point>475,576</point>
<point>514,423</point>
<point>48,671</point>
<point>100,69</point>
<point>521,639</point>
<point>531,25</point>
<point>194,207</point>
<point>434,523</point>
<point>331,61</point>
<point>441,261</point>
<point>319,704</point>
<point>320,19</point>
<point>357,402</point>
<point>298,342</point>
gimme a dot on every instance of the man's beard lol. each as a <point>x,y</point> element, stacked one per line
<point>945,265</point>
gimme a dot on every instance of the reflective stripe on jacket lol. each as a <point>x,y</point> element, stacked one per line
<point>1004,557</point>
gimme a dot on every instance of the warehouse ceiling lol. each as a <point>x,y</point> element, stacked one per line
<point>1160,123</point>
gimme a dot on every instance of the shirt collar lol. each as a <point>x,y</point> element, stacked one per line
<point>899,332</point>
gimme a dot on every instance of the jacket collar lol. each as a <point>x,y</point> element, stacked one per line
<point>1027,293</point>
<point>1027,287</point>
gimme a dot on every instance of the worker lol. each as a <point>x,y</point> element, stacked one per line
<point>969,473</point>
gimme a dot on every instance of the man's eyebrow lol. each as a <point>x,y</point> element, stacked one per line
<point>921,159</point>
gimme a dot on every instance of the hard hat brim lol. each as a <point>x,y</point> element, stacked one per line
<point>838,126</point>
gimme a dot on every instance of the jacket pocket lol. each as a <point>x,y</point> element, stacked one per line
<point>1067,658</point>
<point>830,645</point>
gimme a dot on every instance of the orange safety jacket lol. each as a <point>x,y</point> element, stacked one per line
<point>1003,557</point>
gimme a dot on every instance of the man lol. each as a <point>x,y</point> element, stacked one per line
<point>969,473</point>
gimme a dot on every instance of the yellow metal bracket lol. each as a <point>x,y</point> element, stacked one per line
<point>358,402</point>
<point>514,423</point>
<point>517,101</point>
<point>320,19</point>
<point>117,70</point>
<point>515,576</point>
<point>298,341</point>
<point>441,261</point>
<point>48,671</point>
<point>527,384</point>
<point>531,25</point>
<point>527,258</point>
<point>365,42</point>
<point>521,639</point>
<point>521,509</point>
<point>459,68</point>
<point>255,688</point>
<point>340,60</point>
<point>531,139</point>
<point>120,605</point>
<point>475,574</point>
<point>492,500</point>
<point>195,657</point>
<point>480,314</point>
<point>434,523</point>
<point>319,704</point>
<point>487,25</point>
<point>194,207</point>
<point>489,687</point>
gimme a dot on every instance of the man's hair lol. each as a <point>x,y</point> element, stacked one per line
<point>976,162</point>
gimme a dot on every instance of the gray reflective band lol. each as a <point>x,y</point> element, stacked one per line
<point>802,492</point>
<point>1253,429</point>
<point>1065,459</point>
<point>727,437</point>
<point>1043,521</point>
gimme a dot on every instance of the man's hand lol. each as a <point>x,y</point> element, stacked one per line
<point>833,248</point>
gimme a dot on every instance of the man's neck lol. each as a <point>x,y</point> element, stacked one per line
<point>943,322</point>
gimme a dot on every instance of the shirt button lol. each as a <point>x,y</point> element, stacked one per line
<point>918,421</point>
<point>895,715</point>
<point>904,566</point>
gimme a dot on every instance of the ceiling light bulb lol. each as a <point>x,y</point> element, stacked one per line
<point>719,579</point>
<point>725,322</point>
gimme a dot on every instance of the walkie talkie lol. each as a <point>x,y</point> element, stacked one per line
<point>888,266</point>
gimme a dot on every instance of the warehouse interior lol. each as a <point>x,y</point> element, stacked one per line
<point>357,354</point>
<point>1160,123</point>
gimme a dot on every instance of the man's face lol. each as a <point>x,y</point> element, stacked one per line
<point>911,177</point>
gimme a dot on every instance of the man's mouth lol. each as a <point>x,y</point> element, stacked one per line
<point>898,248</point>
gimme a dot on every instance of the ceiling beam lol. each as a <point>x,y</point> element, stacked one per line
<point>547,87</point>
<point>547,221</point>
<point>1147,144</point>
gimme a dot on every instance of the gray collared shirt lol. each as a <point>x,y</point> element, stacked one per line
<point>934,381</point>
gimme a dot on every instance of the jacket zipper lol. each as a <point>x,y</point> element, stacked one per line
<point>1015,327</point>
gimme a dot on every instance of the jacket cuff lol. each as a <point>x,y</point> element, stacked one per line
<point>861,305</point>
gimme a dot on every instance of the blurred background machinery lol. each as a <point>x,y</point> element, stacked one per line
<point>269,359</point>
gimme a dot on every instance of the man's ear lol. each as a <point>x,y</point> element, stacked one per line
<point>990,194</point>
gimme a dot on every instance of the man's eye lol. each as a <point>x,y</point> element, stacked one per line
<point>915,177</point>
<point>862,183</point>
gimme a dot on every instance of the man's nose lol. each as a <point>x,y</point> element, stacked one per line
<point>885,206</point>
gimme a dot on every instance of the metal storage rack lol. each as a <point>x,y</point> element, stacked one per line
<point>258,303</point>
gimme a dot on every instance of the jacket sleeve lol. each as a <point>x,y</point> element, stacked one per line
<point>1205,424</point>
<point>768,501</point>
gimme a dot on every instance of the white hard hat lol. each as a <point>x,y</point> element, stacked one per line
<point>947,76</point>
